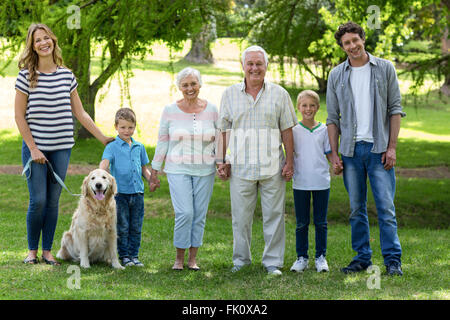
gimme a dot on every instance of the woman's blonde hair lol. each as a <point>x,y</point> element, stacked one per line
<point>310,94</point>
<point>29,59</point>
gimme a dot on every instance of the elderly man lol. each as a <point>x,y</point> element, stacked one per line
<point>363,103</point>
<point>256,119</point>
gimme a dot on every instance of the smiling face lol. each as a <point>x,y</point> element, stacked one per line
<point>308,107</point>
<point>125,129</point>
<point>254,67</point>
<point>43,44</point>
<point>190,87</point>
<point>353,46</point>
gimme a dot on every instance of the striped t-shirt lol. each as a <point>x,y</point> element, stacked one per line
<point>49,111</point>
<point>187,141</point>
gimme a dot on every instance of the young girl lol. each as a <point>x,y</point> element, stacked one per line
<point>46,99</point>
<point>311,177</point>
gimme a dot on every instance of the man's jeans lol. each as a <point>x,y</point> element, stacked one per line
<point>356,169</point>
<point>130,216</point>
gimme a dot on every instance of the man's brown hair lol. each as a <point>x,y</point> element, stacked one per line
<point>349,27</point>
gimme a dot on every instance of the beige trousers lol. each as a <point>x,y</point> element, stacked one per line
<point>244,195</point>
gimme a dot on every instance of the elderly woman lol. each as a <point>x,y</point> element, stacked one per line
<point>186,143</point>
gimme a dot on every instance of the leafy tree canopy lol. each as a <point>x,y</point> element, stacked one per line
<point>124,28</point>
<point>304,30</point>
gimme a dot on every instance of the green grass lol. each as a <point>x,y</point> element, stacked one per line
<point>425,258</point>
<point>421,204</point>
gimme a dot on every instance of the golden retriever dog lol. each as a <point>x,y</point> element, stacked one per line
<point>92,236</point>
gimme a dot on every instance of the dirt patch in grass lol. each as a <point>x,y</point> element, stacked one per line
<point>441,172</point>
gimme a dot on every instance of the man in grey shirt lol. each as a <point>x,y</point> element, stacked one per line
<point>363,104</point>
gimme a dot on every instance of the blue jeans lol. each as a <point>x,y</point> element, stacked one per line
<point>302,202</point>
<point>190,199</point>
<point>130,216</point>
<point>42,214</point>
<point>356,169</point>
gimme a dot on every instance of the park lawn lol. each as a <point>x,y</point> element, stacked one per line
<point>424,241</point>
<point>422,211</point>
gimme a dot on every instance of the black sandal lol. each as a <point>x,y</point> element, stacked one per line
<point>31,260</point>
<point>50,262</point>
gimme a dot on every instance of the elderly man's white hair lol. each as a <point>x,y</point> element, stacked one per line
<point>255,49</point>
<point>188,72</point>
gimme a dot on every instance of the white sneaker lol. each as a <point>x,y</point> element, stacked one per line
<point>321,264</point>
<point>299,265</point>
<point>273,271</point>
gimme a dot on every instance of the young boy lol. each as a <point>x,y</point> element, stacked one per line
<point>311,177</point>
<point>127,159</point>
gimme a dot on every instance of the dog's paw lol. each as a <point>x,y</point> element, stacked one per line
<point>85,264</point>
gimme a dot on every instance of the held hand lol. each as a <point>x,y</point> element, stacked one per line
<point>337,163</point>
<point>153,185</point>
<point>223,171</point>
<point>288,171</point>
<point>38,156</point>
<point>338,169</point>
<point>154,182</point>
<point>389,158</point>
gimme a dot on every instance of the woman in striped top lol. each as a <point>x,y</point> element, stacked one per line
<point>46,99</point>
<point>186,143</point>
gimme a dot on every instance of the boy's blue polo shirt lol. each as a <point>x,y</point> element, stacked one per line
<point>126,164</point>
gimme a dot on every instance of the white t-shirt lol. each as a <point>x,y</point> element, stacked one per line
<point>360,83</point>
<point>311,170</point>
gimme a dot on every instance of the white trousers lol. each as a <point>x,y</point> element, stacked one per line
<point>190,199</point>
<point>244,195</point>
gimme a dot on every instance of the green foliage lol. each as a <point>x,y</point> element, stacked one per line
<point>126,28</point>
<point>236,20</point>
<point>424,52</point>
<point>303,32</point>
<point>287,29</point>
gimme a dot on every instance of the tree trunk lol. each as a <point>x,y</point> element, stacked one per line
<point>201,45</point>
<point>80,64</point>
<point>79,61</point>
<point>88,100</point>
<point>445,89</point>
<point>77,58</point>
<point>322,85</point>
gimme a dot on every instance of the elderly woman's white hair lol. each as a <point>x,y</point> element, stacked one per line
<point>188,72</point>
<point>255,49</point>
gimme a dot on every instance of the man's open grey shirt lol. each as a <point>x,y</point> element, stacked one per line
<point>384,96</point>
